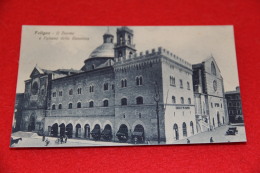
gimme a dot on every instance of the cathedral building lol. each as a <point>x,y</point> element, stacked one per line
<point>209,95</point>
<point>120,95</point>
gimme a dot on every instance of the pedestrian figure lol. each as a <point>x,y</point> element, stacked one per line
<point>211,140</point>
<point>66,138</point>
<point>47,142</point>
<point>61,139</point>
<point>188,141</point>
<point>43,137</point>
<point>135,140</point>
<point>148,142</point>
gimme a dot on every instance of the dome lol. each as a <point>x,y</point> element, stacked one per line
<point>106,50</point>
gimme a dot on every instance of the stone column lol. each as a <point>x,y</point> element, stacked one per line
<point>58,131</point>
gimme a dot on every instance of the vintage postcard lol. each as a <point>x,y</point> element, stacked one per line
<point>127,85</point>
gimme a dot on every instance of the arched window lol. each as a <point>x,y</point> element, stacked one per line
<point>124,101</point>
<point>182,100</point>
<point>70,92</point>
<point>106,86</point>
<point>105,103</point>
<point>181,84</point>
<point>35,88</point>
<point>129,39</point>
<point>53,107</point>
<point>120,54</point>
<point>213,69</point>
<point>140,115</point>
<point>139,80</point>
<point>188,85</point>
<point>54,94</point>
<point>91,88</point>
<point>60,106</point>
<point>79,105</point>
<point>123,83</point>
<point>192,127</point>
<point>184,130</point>
<point>91,104</point>
<point>172,81</point>
<point>176,132</point>
<point>173,100</point>
<point>139,100</point>
<point>93,66</point>
<point>79,90</point>
<point>130,54</point>
<point>189,101</point>
<point>70,105</point>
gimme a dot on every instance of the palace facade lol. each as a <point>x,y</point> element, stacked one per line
<point>120,95</point>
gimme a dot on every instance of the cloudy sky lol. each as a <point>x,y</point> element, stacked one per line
<point>191,43</point>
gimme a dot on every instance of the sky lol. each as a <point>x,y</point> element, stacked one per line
<point>191,43</point>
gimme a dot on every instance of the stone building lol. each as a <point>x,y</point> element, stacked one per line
<point>114,95</point>
<point>234,106</point>
<point>209,95</point>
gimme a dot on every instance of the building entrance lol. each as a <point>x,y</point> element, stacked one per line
<point>87,131</point>
<point>54,130</point>
<point>31,126</point>
<point>122,133</point>
<point>62,130</point>
<point>176,132</point>
<point>69,130</point>
<point>138,134</point>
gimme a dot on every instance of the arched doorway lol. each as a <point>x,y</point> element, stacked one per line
<point>218,118</point>
<point>62,129</point>
<point>107,133</point>
<point>138,134</point>
<point>78,131</point>
<point>69,130</point>
<point>31,126</point>
<point>122,133</point>
<point>176,132</point>
<point>192,128</point>
<point>54,130</point>
<point>87,131</point>
<point>95,133</point>
<point>184,129</point>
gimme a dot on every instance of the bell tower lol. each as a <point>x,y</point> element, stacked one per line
<point>124,48</point>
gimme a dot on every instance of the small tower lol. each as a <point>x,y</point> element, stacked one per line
<point>108,37</point>
<point>124,48</point>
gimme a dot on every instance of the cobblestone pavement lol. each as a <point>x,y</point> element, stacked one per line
<point>37,142</point>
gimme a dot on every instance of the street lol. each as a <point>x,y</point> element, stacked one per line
<point>36,141</point>
<point>218,135</point>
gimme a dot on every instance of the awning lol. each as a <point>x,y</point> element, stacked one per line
<point>121,133</point>
<point>106,132</point>
<point>137,134</point>
<point>95,131</point>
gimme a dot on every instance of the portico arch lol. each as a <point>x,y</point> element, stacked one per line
<point>54,130</point>
<point>78,131</point>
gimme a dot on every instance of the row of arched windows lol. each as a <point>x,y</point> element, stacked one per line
<point>91,104</point>
<point>139,101</point>
<point>173,83</point>
<point>181,100</point>
<point>138,81</point>
<point>184,130</point>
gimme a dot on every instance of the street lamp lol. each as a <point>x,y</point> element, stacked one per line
<point>157,99</point>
